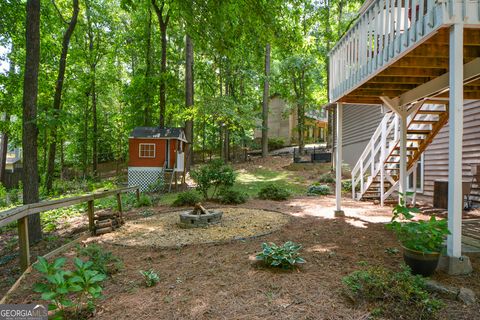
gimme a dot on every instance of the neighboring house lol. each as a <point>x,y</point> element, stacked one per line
<point>283,123</point>
<point>152,151</point>
<point>420,60</point>
<point>14,160</point>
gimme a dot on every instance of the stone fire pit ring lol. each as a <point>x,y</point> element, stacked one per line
<point>188,219</point>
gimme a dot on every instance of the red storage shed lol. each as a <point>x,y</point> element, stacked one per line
<point>152,152</point>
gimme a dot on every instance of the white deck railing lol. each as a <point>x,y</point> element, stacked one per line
<point>385,31</point>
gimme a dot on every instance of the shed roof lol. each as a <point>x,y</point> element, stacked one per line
<point>159,132</point>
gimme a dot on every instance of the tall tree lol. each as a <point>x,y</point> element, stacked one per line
<point>266,93</point>
<point>163,15</point>
<point>189,96</point>
<point>30,130</point>
<point>57,99</point>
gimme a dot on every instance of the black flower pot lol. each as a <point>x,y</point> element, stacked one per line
<point>421,263</point>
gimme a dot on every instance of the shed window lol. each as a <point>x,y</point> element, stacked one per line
<point>146,150</point>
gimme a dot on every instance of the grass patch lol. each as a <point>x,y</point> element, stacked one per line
<point>252,182</point>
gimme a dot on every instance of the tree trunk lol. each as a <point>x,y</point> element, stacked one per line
<point>163,23</point>
<point>29,121</point>
<point>266,89</point>
<point>189,97</point>
<point>4,149</point>
<point>148,61</point>
<point>57,99</point>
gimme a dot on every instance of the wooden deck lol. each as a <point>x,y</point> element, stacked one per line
<point>393,49</point>
<point>471,236</point>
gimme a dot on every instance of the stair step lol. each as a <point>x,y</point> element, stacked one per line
<point>408,148</point>
<point>418,131</point>
<point>424,121</point>
<point>430,111</point>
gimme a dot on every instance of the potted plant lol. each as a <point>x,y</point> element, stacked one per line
<point>422,241</point>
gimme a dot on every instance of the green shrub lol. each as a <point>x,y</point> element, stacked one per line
<point>13,196</point>
<point>150,277</point>
<point>347,185</point>
<point>212,177</point>
<point>320,190</point>
<point>275,143</point>
<point>231,196</point>
<point>424,236</point>
<point>158,185</point>
<point>273,192</point>
<point>102,261</point>
<point>327,178</point>
<point>3,196</point>
<point>68,291</point>
<point>187,198</point>
<point>395,295</point>
<point>144,201</point>
<point>285,257</point>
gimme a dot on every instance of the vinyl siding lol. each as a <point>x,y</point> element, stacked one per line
<point>359,124</point>
<point>436,155</point>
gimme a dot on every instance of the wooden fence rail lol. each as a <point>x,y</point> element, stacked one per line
<point>21,214</point>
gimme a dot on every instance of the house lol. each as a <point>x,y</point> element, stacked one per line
<point>154,151</point>
<point>417,61</point>
<point>283,123</point>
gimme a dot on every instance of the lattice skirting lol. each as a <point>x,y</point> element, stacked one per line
<point>148,179</point>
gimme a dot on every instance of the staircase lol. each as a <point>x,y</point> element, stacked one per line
<point>376,174</point>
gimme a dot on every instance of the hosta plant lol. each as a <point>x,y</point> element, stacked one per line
<point>285,256</point>
<point>150,277</point>
<point>68,292</point>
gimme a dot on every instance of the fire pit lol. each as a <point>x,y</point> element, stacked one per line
<point>199,217</point>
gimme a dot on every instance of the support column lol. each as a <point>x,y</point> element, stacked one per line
<point>455,263</point>
<point>338,161</point>
<point>403,155</point>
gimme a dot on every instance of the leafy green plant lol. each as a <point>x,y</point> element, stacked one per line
<point>316,189</point>
<point>150,277</point>
<point>187,198</point>
<point>68,290</point>
<point>3,196</point>
<point>102,261</point>
<point>144,201</point>
<point>393,294</point>
<point>231,196</point>
<point>275,143</point>
<point>273,192</point>
<point>327,177</point>
<point>424,236</point>
<point>158,185</point>
<point>285,256</point>
<point>212,177</point>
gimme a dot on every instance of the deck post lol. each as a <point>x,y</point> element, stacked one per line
<point>455,262</point>
<point>455,202</point>
<point>403,155</point>
<point>383,147</point>
<point>91,217</point>
<point>338,160</point>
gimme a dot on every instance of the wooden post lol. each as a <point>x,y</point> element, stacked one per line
<point>338,166</point>
<point>90,210</point>
<point>119,204</point>
<point>403,155</point>
<point>22,226</point>
<point>138,194</point>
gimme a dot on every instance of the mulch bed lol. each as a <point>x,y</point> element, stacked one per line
<point>223,281</point>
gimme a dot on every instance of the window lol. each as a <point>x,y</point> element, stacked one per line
<point>146,150</point>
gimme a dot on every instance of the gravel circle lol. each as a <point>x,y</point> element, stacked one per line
<point>163,230</point>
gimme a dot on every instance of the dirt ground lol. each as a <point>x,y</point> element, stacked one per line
<point>223,281</point>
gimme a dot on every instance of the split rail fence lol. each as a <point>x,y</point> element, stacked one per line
<point>21,214</point>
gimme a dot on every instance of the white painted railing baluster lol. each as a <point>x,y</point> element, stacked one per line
<point>413,21</point>
<point>406,25</point>
<point>421,18</point>
<point>397,41</point>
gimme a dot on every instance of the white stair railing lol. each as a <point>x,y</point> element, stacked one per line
<point>373,161</point>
